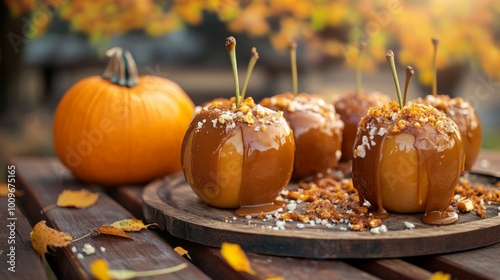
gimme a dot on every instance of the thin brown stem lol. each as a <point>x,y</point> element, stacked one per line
<point>251,64</point>
<point>231,49</point>
<point>434,67</point>
<point>409,73</point>
<point>390,58</point>
<point>293,59</point>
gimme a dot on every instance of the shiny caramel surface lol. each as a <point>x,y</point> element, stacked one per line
<point>408,161</point>
<point>467,120</point>
<point>317,130</point>
<point>266,154</point>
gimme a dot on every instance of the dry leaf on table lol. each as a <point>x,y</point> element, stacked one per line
<point>440,276</point>
<point>43,236</point>
<point>78,199</point>
<point>110,230</point>
<point>236,257</point>
<point>131,225</point>
<point>183,252</point>
<point>100,270</point>
<point>4,190</point>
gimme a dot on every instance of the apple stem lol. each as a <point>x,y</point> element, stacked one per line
<point>251,64</point>
<point>293,59</point>
<point>409,74</point>
<point>434,67</point>
<point>390,58</point>
<point>362,45</point>
<point>231,49</point>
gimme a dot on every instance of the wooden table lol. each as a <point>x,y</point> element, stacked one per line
<point>40,180</point>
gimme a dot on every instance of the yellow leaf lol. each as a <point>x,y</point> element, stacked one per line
<point>440,276</point>
<point>276,278</point>
<point>110,230</point>
<point>43,236</point>
<point>131,224</point>
<point>236,257</point>
<point>4,190</point>
<point>181,251</point>
<point>99,269</point>
<point>78,199</point>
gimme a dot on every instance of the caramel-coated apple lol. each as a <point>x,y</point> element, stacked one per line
<point>317,130</point>
<point>238,158</point>
<point>461,112</point>
<point>408,159</point>
<point>316,126</point>
<point>238,154</point>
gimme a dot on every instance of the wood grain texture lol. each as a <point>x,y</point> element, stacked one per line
<point>42,180</point>
<point>173,204</point>
<point>27,264</point>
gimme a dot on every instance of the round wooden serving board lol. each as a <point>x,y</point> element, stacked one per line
<point>174,206</point>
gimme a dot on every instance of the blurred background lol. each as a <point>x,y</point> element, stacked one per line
<point>49,45</point>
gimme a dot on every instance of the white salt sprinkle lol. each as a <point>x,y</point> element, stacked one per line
<point>291,206</point>
<point>88,249</point>
<point>79,256</point>
<point>73,249</point>
<point>409,225</point>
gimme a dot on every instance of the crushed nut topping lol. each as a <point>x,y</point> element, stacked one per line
<point>311,103</point>
<point>248,112</point>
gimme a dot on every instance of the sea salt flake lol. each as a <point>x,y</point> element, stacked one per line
<point>409,225</point>
<point>88,249</point>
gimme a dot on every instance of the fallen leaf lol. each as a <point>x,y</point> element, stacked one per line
<point>101,271</point>
<point>43,236</point>
<point>110,230</point>
<point>440,276</point>
<point>181,251</point>
<point>236,257</point>
<point>4,190</point>
<point>78,199</point>
<point>131,225</point>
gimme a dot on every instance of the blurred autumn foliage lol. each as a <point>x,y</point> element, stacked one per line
<point>468,31</point>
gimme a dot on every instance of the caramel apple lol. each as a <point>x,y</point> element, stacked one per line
<point>317,128</point>
<point>353,106</point>
<point>408,159</point>
<point>238,154</point>
<point>461,112</point>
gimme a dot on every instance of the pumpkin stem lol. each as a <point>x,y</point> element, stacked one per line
<point>121,69</point>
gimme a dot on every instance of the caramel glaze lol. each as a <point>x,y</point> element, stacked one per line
<point>440,160</point>
<point>467,120</point>
<point>267,160</point>
<point>352,107</point>
<point>317,132</point>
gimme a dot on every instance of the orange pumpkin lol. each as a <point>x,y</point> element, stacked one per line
<point>122,128</point>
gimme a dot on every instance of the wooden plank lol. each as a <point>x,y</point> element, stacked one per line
<point>392,269</point>
<point>23,262</point>
<point>211,262</point>
<point>481,263</point>
<point>43,179</point>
